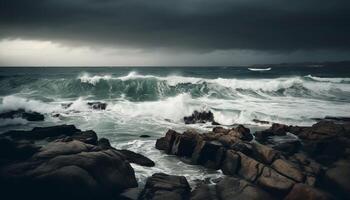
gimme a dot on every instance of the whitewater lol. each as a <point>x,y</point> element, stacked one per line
<point>152,100</point>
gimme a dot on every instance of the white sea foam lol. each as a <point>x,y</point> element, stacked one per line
<point>14,121</point>
<point>332,80</point>
<point>14,102</point>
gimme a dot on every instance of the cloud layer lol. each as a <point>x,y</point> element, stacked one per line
<point>186,25</point>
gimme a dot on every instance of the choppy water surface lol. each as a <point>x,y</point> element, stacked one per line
<point>152,100</point>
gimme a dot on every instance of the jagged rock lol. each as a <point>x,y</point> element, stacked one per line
<point>104,143</point>
<point>209,154</point>
<point>244,133</point>
<point>264,153</point>
<point>137,158</point>
<point>288,169</point>
<point>166,143</point>
<point>249,169</point>
<point>274,182</point>
<point>234,188</point>
<point>231,163</point>
<point>200,117</point>
<point>289,147</point>
<point>163,186</point>
<point>337,179</point>
<point>97,105</point>
<point>302,191</point>
<point>21,113</point>
<point>185,144</point>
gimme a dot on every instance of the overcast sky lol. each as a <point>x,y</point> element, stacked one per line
<point>172,32</point>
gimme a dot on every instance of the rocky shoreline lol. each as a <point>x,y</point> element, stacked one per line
<point>63,162</point>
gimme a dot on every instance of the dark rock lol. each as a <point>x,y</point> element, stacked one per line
<point>274,182</point>
<point>89,137</point>
<point>250,169</point>
<point>66,105</point>
<point>261,121</point>
<point>234,188</point>
<point>202,192</point>
<point>231,163</point>
<point>163,186</point>
<point>21,113</point>
<point>40,133</point>
<point>166,143</point>
<point>144,136</point>
<point>220,129</point>
<point>15,150</point>
<point>137,158</point>
<point>209,154</point>
<point>289,147</point>
<point>97,105</point>
<point>275,129</point>
<point>130,194</point>
<point>264,153</point>
<point>185,144</point>
<point>302,191</point>
<point>104,143</point>
<point>288,169</point>
<point>337,180</point>
<point>199,117</point>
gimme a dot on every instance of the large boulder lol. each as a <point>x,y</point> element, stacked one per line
<point>162,186</point>
<point>288,169</point>
<point>274,182</point>
<point>337,179</point>
<point>264,153</point>
<point>209,154</point>
<point>202,192</point>
<point>250,169</point>
<point>302,191</point>
<point>166,143</point>
<point>234,188</point>
<point>185,144</point>
<point>231,163</point>
<point>21,113</point>
<point>136,158</point>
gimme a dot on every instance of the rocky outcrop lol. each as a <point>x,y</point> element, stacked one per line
<point>21,113</point>
<point>200,117</point>
<point>97,105</point>
<point>302,191</point>
<point>163,186</point>
<point>70,163</point>
<point>274,168</point>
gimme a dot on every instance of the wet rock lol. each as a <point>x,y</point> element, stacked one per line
<point>185,144</point>
<point>199,117</point>
<point>234,188</point>
<point>202,192</point>
<point>321,130</point>
<point>260,121</point>
<point>302,191</point>
<point>275,129</point>
<point>163,186</point>
<point>130,194</point>
<point>11,150</point>
<point>97,105</point>
<point>288,169</point>
<point>66,105</point>
<point>231,163</point>
<point>337,179</point>
<point>274,182</point>
<point>209,154</point>
<point>166,143</point>
<point>104,143</point>
<point>21,113</point>
<point>40,133</point>
<point>89,137</point>
<point>250,169</point>
<point>137,158</point>
<point>144,136</point>
<point>289,147</point>
<point>264,153</point>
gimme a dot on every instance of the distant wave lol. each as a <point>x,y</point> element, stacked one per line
<point>332,80</point>
<point>260,69</point>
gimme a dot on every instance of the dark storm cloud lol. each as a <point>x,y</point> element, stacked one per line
<point>196,25</point>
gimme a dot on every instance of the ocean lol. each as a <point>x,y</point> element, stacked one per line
<point>151,100</point>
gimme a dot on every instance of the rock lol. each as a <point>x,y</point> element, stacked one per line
<point>97,105</point>
<point>249,169</point>
<point>321,130</point>
<point>163,186</point>
<point>66,105</point>
<point>201,192</point>
<point>337,180</point>
<point>234,188</point>
<point>302,191</point>
<point>231,163</point>
<point>15,150</point>
<point>199,117</point>
<point>21,113</point>
<point>289,147</point>
<point>104,143</point>
<point>137,158</point>
<point>288,169</point>
<point>209,154</point>
<point>220,129</point>
<point>272,181</point>
<point>244,133</point>
<point>166,143</point>
<point>144,136</point>
<point>40,133</point>
<point>275,129</point>
<point>264,153</point>
<point>260,121</point>
<point>130,194</point>
<point>184,144</point>
<point>89,137</point>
